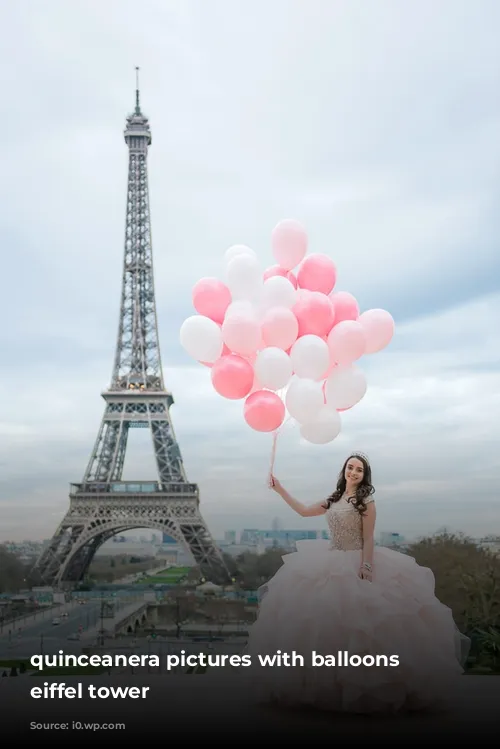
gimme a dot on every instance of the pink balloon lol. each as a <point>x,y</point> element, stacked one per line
<point>345,306</point>
<point>279,328</point>
<point>378,326</point>
<point>232,376</point>
<point>315,314</point>
<point>317,273</point>
<point>347,342</point>
<point>289,243</point>
<point>211,298</point>
<point>264,411</point>
<point>277,270</point>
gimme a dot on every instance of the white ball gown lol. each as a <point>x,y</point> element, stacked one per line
<point>317,602</point>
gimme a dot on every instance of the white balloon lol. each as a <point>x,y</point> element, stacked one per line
<point>304,399</point>
<point>273,368</point>
<point>241,332</point>
<point>201,338</point>
<point>324,428</point>
<point>310,357</point>
<point>244,277</point>
<point>238,249</point>
<point>345,387</point>
<point>240,307</point>
<point>279,292</point>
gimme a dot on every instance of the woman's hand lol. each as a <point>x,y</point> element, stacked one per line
<point>365,573</point>
<point>274,484</point>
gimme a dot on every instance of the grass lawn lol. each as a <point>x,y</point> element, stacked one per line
<point>55,671</point>
<point>76,671</point>
<point>168,576</point>
<point>11,662</point>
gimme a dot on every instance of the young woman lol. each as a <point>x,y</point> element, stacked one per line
<point>391,645</point>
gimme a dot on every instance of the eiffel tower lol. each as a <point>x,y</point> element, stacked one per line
<point>104,505</point>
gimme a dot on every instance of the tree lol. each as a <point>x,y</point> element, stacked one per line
<point>269,563</point>
<point>488,642</point>
<point>467,578</point>
<point>231,564</point>
<point>253,570</point>
<point>193,575</point>
<point>180,608</point>
<point>13,572</point>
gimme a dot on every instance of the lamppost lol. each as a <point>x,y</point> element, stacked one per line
<point>177,617</point>
<point>102,620</point>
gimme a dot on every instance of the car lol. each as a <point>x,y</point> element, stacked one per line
<point>74,636</point>
<point>56,621</point>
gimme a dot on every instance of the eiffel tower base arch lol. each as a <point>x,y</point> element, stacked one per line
<point>90,522</point>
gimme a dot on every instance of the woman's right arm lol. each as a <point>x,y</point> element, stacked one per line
<point>305,511</point>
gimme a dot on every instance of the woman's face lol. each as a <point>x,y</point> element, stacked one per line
<point>354,471</point>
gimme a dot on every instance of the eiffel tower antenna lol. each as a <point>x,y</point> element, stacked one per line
<point>103,505</point>
<point>137,104</point>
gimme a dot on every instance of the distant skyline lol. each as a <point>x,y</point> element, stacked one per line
<point>375,125</point>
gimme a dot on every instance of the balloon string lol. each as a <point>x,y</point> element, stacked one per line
<point>273,453</point>
<point>274,445</point>
<point>281,393</point>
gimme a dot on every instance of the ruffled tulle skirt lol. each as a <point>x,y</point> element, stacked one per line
<point>392,645</point>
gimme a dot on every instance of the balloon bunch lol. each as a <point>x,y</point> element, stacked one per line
<point>262,332</point>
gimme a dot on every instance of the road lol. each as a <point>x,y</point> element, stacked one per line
<point>41,635</point>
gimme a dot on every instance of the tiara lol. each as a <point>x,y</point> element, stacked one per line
<point>361,455</point>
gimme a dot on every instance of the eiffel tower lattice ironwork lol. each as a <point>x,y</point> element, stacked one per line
<point>104,505</point>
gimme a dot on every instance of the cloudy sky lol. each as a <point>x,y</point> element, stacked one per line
<point>375,124</point>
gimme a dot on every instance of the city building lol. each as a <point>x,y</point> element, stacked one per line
<point>257,541</point>
<point>168,539</point>
<point>391,539</point>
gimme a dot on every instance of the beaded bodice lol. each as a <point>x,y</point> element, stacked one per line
<point>345,525</point>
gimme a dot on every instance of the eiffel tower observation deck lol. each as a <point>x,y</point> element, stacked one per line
<point>102,505</point>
